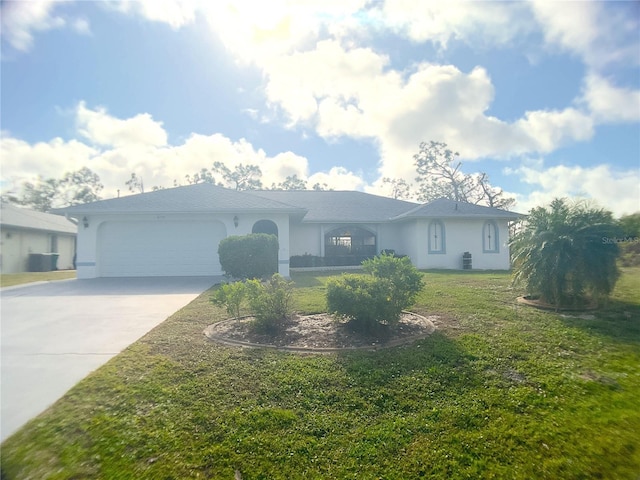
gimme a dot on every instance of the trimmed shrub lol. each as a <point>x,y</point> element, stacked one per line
<point>378,298</point>
<point>405,279</point>
<point>270,301</point>
<point>249,256</point>
<point>306,260</point>
<point>362,299</point>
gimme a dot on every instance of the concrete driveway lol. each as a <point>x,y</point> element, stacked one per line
<point>55,333</point>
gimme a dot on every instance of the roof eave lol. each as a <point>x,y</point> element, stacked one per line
<point>460,216</point>
<point>88,212</point>
<point>37,229</point>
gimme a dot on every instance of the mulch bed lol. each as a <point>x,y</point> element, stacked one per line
<point>320,332</point>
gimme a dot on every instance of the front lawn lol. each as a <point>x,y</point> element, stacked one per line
<point>10,279</point>
<point>499,391</point>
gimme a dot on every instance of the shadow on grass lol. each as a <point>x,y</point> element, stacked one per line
<point>619,321</point>
<point>436,357</point>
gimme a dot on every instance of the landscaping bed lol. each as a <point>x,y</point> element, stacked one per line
<point>320,332</point>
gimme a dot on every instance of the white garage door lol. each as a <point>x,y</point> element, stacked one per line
<point>143,249</point>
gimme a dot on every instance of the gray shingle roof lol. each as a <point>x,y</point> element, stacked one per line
<point>17,217</point>
<point>202,197</point>
<point>311,206</point>
<point>445,208</point>
<point>339,206</point>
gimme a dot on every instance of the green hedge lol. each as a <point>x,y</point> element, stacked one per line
<point>306,260</point>
<point>249,256</point>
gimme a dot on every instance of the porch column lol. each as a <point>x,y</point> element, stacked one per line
<point>284,237</point>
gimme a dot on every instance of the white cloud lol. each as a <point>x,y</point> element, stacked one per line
<point>318,74</point>
<point>548,130</point>
<point>609,103</point>
<point>276,169</point>
<point>615,190</point>
<point>175,13</point>
<point>81,26</point>
<point>480,23</point>
<point>254,31</point>
<point>101,128</point>
<point>22,161</point>
<point>317,81</point>
<point>337,178</point>
<point>354,93</point>
<point>21,20</point>
<point>201,151</point>
<point>601,33</point>
<point>118,147</point>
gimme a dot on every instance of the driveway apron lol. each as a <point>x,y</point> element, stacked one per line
<point>54,334</point>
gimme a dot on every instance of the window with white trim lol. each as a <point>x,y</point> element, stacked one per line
<point>490,237</point>
<point>437,243</point>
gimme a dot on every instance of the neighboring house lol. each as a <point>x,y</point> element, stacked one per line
<point>176,232</point>
<point>24,232</point>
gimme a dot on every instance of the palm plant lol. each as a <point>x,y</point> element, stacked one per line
<point>563,254</point>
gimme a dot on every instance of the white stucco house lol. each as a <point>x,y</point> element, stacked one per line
<point>24,232</point>
<point>176,232</point>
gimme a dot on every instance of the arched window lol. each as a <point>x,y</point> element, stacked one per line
<point>490,237</point>
<point>265,226</point>
<point>437,240</point>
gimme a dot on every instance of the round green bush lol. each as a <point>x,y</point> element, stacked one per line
<point>249,256</point>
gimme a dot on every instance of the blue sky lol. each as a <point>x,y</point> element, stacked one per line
<point>542,96</point>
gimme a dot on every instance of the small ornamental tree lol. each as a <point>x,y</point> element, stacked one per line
<point>249,256</point>
<point>378,298</point>
<point>270,302</point>
<point>565,253</point>
<point>231,296</point>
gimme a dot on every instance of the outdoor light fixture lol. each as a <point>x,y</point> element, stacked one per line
<point>236,220</point>
<point>85,222</point>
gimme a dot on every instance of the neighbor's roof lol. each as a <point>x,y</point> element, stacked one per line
<point>339,206</point>
<point>202,197</point>
<point>445,208</point>
<point>17,217</point>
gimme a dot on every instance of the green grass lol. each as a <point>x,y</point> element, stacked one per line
<point>10,279</point>
<point>499,391</point>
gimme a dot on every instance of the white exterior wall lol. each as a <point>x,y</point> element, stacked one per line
<point>411,238</point>
<point>88,256</point>
<point>409,242</point>
<point>406,238</point>
<point>17,244</point>
<point>388,238</point>
<point>306,239</point>
<point>86,249</point>
<point>462,236</point>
